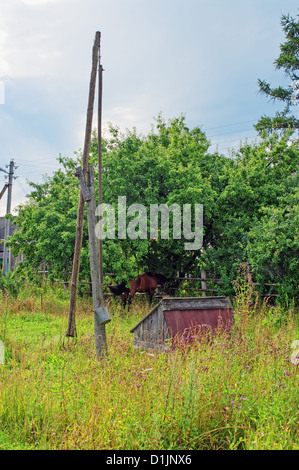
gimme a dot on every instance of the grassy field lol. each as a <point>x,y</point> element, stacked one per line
<point>237,392</point>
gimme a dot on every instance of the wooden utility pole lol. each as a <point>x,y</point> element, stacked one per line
<point>101,314</point>
<point>6,257</point>
<point>100,160</point>
<point>71,329</point>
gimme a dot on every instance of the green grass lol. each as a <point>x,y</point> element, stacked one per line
<point>239,391</point>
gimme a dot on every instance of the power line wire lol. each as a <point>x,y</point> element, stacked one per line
<point>238,123</point>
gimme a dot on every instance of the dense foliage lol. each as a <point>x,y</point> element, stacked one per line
<point>250,205</point>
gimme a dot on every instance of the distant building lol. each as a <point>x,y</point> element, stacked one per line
<point>13,261</point>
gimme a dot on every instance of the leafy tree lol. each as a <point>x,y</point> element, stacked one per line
<point>262,180</point>
<point>274,245</point>
<point>168,166</point>
<point>248,199</point>
<point>47,223</point>
<point>288,60</point>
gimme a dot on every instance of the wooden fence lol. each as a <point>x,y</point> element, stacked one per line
<point>175,280</point>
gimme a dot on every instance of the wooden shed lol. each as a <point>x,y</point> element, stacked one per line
<point>174,316</point>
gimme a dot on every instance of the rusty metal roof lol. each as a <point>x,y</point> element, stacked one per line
<point>180,321</point>
<point>181,312</point>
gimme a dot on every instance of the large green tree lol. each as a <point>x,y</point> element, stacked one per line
<point>288,61</point>
<point>261,189</point>
<point>47,224</point>
<point>249,206</point>
<point>168,166</point>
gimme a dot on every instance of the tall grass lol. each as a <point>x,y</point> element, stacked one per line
<point>238,391</point>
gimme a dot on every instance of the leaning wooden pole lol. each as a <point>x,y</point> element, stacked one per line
<point>71,328</point>
<point>100,160</point>
<point>101,313</point>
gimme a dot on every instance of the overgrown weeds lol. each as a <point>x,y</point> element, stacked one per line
<point>238,391</point>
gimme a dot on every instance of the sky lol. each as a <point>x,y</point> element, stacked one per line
<point>200,58</point>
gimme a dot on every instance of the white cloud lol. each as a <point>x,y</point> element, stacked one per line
<point>39,2</point>
<point>43,39</point>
